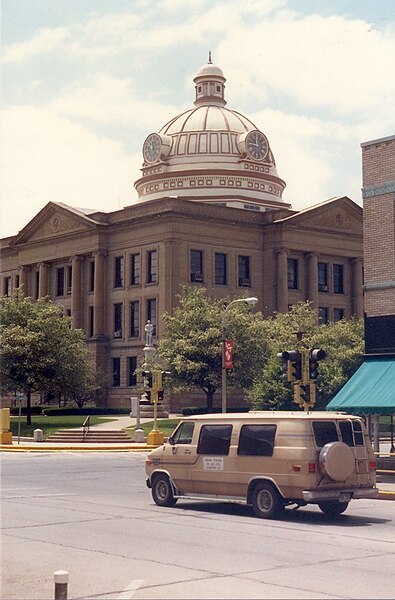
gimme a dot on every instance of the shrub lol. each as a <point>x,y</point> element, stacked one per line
<point>34,410</point>
<point>199,410</point>
<point>53,412</point>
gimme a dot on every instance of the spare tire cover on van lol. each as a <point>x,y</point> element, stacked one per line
<point>337,461</point>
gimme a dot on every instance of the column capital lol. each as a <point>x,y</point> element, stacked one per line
<point>285,251</point>
<point>311,255</point>
<point>77,258</point>
<point>99,253</point>
<point>356,260</point>
<point>43,263</point>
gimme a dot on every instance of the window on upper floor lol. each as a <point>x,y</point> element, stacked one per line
<point>196,273</point>
<point>292,268</point>
<point>152,266</point>
<point>91,314</point>
<point>118,271</point>
<point>135,318</point>
<point>135,266</point>
<point>151,313</point>
<point>338,284</point>
<point>91,276</point>
<point>60,281</point>
<point>117,331</point>
<point>322,277</point>
<point>243,267</point>
<point>220,275</point>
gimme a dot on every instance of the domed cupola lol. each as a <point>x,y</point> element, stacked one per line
<point>211,154</point>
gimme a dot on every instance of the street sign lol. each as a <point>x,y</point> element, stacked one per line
<point>20,397</point>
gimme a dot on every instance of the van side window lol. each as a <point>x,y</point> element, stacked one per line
<point>351,431</point>
<point>324,432</point>
<point>256,440</point>
<point>184,433</point>
<point>214,439</point>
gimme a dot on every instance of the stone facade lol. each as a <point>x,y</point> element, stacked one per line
<point>113,271</point>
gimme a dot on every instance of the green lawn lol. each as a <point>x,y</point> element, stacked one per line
<point>51,424</point>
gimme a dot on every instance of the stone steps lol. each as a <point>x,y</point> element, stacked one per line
<point>98,436</point>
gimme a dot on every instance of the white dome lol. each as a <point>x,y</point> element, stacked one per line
<point>204,153</point>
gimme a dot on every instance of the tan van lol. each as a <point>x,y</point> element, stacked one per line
<point>266,459</point>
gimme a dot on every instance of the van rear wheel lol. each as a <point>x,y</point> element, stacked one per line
<point>266,501</point>
<point>162,491</point>
<point>333,508</point>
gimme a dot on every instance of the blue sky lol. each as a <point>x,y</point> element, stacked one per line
<point>85,81</point>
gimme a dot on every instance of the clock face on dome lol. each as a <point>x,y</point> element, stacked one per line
<point>151,148</point>
<point>256,145</point>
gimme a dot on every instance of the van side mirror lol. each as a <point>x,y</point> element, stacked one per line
<point>171,441</point>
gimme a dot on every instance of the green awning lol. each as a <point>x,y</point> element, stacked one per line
<point>371,390</point>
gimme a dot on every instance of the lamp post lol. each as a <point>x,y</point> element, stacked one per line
<point>250,301</point>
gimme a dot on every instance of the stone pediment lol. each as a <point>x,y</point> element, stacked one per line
<point>340,214</point>
<point>53,221</point>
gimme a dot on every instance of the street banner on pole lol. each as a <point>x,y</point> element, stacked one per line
<point>228,353</point>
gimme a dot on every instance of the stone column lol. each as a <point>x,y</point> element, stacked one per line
<point>76,300</point>
<point>282,281</point>
<point>357,287</point>
<point>43,279</point>
<point>312,278</point>
<point>24,279</point>
<point>99,294</point>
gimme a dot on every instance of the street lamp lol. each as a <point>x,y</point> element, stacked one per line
<point>251,302</point>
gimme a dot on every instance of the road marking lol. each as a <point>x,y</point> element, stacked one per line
<point>37,496</point>
<point>131,588</point>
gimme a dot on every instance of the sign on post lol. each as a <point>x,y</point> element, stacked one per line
<point>228,353</point>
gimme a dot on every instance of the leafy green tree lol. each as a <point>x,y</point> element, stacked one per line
<point>342,342</point>
<point>40,352</point>
<point>191,346</point>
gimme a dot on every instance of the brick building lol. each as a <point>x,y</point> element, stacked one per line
<point>209,212</point>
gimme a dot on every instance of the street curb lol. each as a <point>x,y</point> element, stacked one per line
<point>137,448</point>
<point>384,495</point>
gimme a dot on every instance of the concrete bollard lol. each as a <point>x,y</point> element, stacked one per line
<point>38,435</point>
<point>61,579</point>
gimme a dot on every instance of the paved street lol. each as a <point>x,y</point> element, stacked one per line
<point>92,515</point>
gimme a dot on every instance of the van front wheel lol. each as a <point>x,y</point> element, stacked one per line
<point>266,501</point>
<point>162,492</point>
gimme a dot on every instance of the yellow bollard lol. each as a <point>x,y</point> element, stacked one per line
<point>5,433</point>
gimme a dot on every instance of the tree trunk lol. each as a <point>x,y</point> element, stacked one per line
<point>210,401</point>
<point>28,409</point>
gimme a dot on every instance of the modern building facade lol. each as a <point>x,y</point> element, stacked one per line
<point>209,213</point>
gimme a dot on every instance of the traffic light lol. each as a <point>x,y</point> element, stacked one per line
<point>147,375</point>
<point>160,395</point>
<point>295,360</point>
<point>291,365</point>
<point>305,394</point>
<point>315,356</point>
<point>148,395</point>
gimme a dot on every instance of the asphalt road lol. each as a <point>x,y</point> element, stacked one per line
<point>92,515</point>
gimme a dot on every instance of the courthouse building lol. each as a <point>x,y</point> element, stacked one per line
<point>209,213</point>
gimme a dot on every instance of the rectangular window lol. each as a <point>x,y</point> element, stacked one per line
<point>7,286</point>
<point>17,281</point>
<point>183,434</point>
<point>214,440</point>
<point>292,266</point>
<point>196,266</point>
<point>118,320</point>
<point>91,276</point>
<point>118,271</point>
<point>91,321</point>
<point>151,313</point>
<point>152,274</point>
<point>338,314</point>
<point>244,271</point>
<point>60,281</point>
<point>132,366</point>
<point>351,432</point>
<point>322,315</point>
<point>256,440</point>
<point>338,287</point>
<point>324,432</point>
<point>322,277</point>
<point>135,318</point>
<point>36,276</point>
<point>116,371</point>
<point>69,275</point>
<point>135,264</point>
<point>220,269</point>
